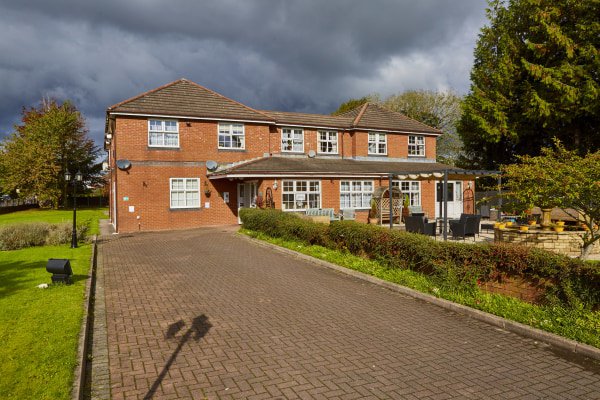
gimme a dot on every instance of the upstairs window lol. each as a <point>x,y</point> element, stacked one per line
<point>416,146</point>
<point>231,136</point>
<point>163,133</point>
<point>292,140</point>
<point>185,193</point>
<point>328,142</point>
<point>377,143</point>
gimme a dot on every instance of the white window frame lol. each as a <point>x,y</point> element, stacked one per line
<point>162,132</point>
<point>227,129</point>
<point>363,192</point>
<point>290,140</point>
<point>408,187</point>
<point>376,138</point>
<point>328,141</point>
<point>416,146</point>
<point>185,190</point>
<point>297,193</point>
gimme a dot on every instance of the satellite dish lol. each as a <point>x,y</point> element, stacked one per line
<point>312,154</point>
<point>211,165</point>
<point>123,164</point>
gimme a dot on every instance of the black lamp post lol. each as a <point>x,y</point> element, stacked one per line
<point>78,178</point>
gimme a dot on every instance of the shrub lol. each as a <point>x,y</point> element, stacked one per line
<point>566,281</point>
<point>19,236</point>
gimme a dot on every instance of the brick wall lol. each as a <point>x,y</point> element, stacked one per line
<point>143,192</point>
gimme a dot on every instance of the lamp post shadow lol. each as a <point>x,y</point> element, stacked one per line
<point>199,328</point>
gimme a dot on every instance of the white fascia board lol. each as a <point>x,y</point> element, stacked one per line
<point>330,128</point>
<point>298,175</point>
<point>194,118</point>
<point>391,131</point>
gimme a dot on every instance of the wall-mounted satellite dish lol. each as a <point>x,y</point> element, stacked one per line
<point>211,165</point>
<point>312,154</point>
<point>123,165</point>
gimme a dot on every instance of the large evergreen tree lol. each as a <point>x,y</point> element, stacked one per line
<point>50,140</point>
<point>535,78</point>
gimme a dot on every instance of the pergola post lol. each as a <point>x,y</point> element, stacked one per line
<point>390,177</point>
<point>499,197</point>
<point>445,196</point>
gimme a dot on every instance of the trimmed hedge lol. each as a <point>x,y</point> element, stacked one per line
<point>566,281</point>
<point>19,236</point>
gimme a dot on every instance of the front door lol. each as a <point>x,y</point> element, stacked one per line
<point>246,195</point>
<point>455,200</point>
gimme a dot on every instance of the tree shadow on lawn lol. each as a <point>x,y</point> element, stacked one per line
<point>19,275</point>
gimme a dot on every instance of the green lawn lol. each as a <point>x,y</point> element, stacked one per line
<point>39,328</point>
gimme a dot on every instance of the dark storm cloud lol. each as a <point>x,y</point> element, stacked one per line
<point>286,55</point>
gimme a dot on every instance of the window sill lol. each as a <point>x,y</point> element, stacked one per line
<point>377,155</point>
<point>226,150</point>
<point>414,156</point>
<point>291,152</point>
<point>185,209</point>
<point>327,154</point>
<point>163,148</point>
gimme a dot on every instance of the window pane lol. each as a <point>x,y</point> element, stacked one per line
<point>301,186</point>
<point>176,184</point>
<point>345,186</point>
<point>288,186</point>
<point>191,184</point>
<point>170,126</point>
<point>171,139</point>
<point>156,139</point>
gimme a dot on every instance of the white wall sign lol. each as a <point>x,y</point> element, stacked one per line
<point>131,209</point>
<point>226,197</point>
<point>207,204</point>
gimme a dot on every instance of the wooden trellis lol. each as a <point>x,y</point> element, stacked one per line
<point>382,200</point>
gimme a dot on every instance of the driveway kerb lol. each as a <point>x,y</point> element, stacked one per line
<point>511,326</point>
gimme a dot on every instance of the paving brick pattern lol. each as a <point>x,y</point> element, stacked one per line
<point>206,314</point>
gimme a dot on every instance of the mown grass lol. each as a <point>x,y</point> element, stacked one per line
<point>579,324</point>
<point>39,328</point>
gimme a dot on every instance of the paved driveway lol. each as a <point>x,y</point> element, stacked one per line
<point>208,314</point>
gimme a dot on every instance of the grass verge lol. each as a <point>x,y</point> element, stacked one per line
<point>39,328</point>
<point>92,215</point>
<point>579,324</point>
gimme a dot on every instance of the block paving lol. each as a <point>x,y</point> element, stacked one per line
<point>206,314</point>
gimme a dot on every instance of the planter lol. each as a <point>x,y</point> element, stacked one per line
<point>546,221</point>
<point>559,228</point>
<point>501,226</point>
<point>531,223</point>
<point>524,228</point>
<point>509,223</point>
<point>560,223</point>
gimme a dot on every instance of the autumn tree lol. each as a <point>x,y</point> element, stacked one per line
<point>50,140</point>
<point>534,78</point>
<point>560,178</point>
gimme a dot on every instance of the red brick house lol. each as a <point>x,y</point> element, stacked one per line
<point>183,156</point>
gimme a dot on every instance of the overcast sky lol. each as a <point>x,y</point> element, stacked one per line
<point>305,56</point>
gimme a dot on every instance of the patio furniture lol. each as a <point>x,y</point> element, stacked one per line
<point>419,224</point>
<point>322,212</point>
<point>348,214</point>
<point>467,225</point>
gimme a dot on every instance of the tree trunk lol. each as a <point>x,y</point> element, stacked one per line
<point>586,250</point>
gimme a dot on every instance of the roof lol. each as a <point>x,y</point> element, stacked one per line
<point>184,98</point>
<point>318,120</point>
<point>322,167</point>
<point>187,99</point>
<point>374,116</point>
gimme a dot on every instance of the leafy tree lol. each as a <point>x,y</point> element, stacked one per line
<point>535,78</point>
<point>50,140</point>
<point>353,103</point>
<point>440,110</point>
<point>560,178</point>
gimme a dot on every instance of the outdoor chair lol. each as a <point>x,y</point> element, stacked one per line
<point>467,225</point>
<point>347,214</point>
<point>419,224</point>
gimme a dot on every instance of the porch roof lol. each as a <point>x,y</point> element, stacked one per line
<point>336,167</point>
